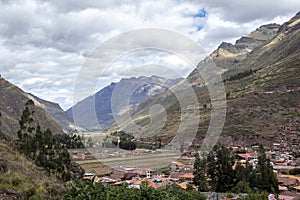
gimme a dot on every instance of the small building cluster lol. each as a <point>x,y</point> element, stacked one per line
<point>178,173</point>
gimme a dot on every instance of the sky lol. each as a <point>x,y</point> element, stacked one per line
<point>44,44</point>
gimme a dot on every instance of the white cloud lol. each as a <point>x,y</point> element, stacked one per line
<point>44,43</point>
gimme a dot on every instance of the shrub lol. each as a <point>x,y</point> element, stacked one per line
<point>294,171</point>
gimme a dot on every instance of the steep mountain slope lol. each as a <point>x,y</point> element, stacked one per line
<point>12,104</point>
<point>20,177</point>
<point>261,75</point>
<point>58,114</point>
<point>141,88</point>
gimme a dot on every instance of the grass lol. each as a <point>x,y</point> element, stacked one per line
<point>23,179</point>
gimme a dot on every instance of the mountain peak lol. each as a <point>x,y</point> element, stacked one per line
<point>228,54</point>
<point>269,26</point>
<point>292,24</point>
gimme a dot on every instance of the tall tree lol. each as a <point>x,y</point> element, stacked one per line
<point>200,169</point>
<point>44,148</point>
<point>27,128</point>
<point>266,179</point>
<point>224,169</point>
<point>211,170</point>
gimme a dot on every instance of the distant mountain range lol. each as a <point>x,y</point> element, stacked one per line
<point>261,76</point>
<point>111,101</point>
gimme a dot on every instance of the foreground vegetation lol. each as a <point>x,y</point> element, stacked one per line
<point>89,190</point>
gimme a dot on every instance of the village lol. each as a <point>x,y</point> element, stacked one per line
<point>282,155</point>
<point>180,171</point>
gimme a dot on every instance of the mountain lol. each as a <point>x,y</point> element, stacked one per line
<point>19,176</point>
<point>115,99</point>
<point>12,104</point>
<point>261,76</point>
<point>228,55</point>
<point>58,114</point>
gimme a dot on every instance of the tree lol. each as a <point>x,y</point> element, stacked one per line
<point>224,170</point>
<point>245,172</point>
<point>200,169</point>
<point>45,149</point>
<point>266,179</point>
<point>90,142</point>
<point>26,122</point>
<point>211,170</point>
<point>242,187</point>
<point>292,171</point>
<point>220,171</point>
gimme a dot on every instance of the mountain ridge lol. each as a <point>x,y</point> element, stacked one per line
<point>12,104</point>
<point>141,88</point>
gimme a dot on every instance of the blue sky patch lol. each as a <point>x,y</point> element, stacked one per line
<point>202,13</point>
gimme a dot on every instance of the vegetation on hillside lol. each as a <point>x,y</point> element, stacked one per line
<point>124,140</point>
<point>20,178</point>
<point>44,148</point>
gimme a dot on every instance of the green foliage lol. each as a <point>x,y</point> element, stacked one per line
<point>166,171</point>
<point>294,171</point>
<point>125,140</point>
<point>45,149</point>
<point>245,174</point>
<point>240,75</point>
<point>216,173</point>
<point>211,172</point>
<point>200,179</point>
<point>266,180</point>
<point>242,187</point>
<point>90,190</point>
<point>260,196</point>
<point>127,144</point>
<point>224,169</point>
<point>71,141</point>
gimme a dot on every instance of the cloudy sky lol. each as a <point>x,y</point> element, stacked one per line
<point>43,44</point>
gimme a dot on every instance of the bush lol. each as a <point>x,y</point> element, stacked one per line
<point>294,171</point>
<point>261,196</point>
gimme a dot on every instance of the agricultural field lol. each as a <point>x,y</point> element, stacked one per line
<point>102,166</point>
